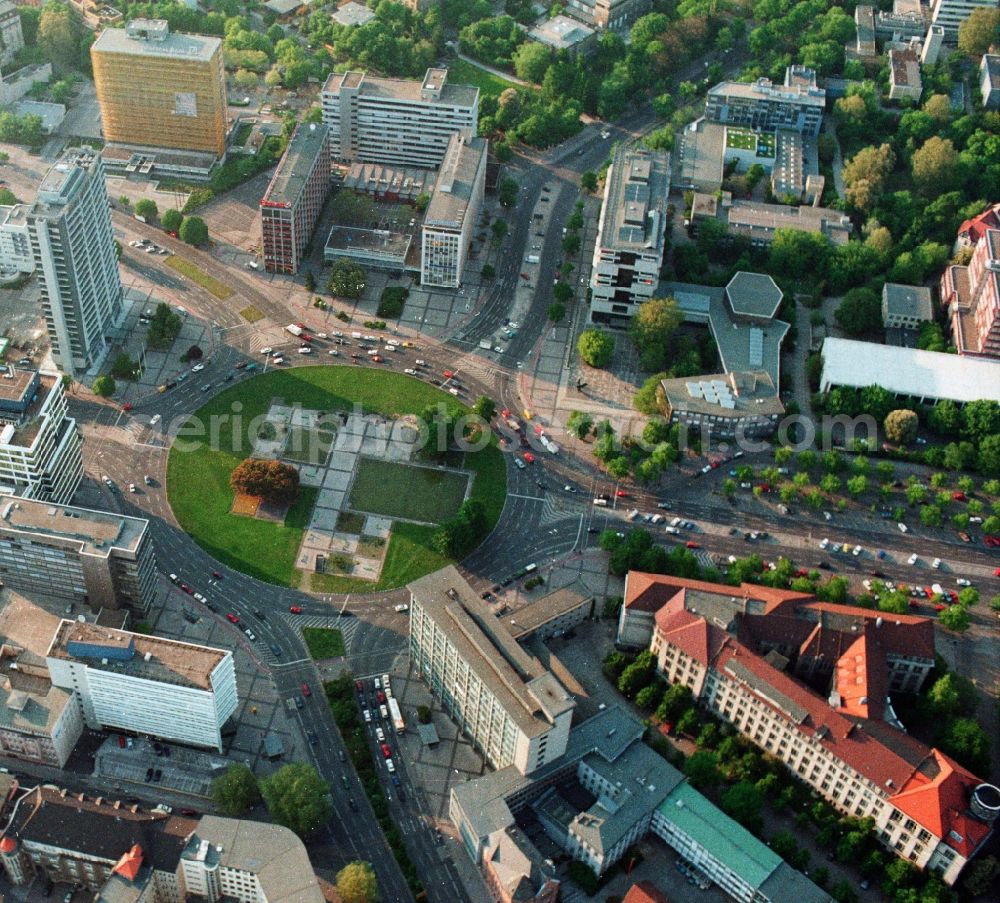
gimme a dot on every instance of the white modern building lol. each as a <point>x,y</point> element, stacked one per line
<point>797,104</point>
<point>40,446</point>
<point>949,14</point>
<point>514,711</point>
<point>453,212</point>
<point>15,241</point>
<point>631,234</point>
<point>400,122</point>
<point>74,249</point>
<point>98,559</point>
<point>146,685</point>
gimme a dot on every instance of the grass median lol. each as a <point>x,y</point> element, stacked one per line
<point>197,275</point>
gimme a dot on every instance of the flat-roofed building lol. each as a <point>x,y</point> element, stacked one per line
<point>737,406</point>
<point>904,75</point>
<point>608,15</point>
<point>760,222</point>
<point>95,558</point>
<point>863,47</point>
<point>762,105</point>
<point>514,711</point>
<point>178,102</point>
<point>353,14</point>
<point>453,212</point>
<point>15,240</point>
<point>906,306</point>
<point>144,684</point>
<point>563,33</point>
<point>294,198</point>
<point>402,122</point>
<point>989,81</point>
<point>553,615</point>
<point>73,245</point>
<point>41,454</point>
<point>631,234</point>
<point>950,14</point>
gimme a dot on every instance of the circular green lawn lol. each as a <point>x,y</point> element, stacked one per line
<point>203,456</point>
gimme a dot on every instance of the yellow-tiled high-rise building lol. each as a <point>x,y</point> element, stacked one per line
<point>158,89</point>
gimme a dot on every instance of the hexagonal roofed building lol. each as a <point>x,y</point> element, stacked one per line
<point>753,296</point>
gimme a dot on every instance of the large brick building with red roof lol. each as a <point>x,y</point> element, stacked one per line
<point>810,683</point>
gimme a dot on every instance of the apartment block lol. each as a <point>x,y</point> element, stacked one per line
<point>797,104</point>
<point>608,15</point>
<point>180,100</point>
<point>144,684</point>
<point>631,234</point>
<point>906,306</point>
<point>950,14</point>
<point>811,683</point>
<point>11,36</point>
<point>608,791</point>
<point>94,558</point>
<point>401,122</point>
<point>904,75</point>
<point>121,852</point>
<point>759,222</point>
<point>453,212</point>
<point>41,453</point>
<point>513,710</point>
<point>294,198</point>
<point>972,294</point>
<point>74,249</point>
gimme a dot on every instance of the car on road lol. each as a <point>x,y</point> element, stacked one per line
<point>311,736</point>
<point>305,690</point>
<point>305,349</point>
<point>197,368</point>
<point>200,597</point>
<point>936,563</point>
<point>231,618</point>
<point>386,751</point>
<point>824,542</point>
<point>856,551</point>
<point>621,494</point>
<point>673,531</point>
<point>131,487</point>
<point>250,633</point>
<point>825,566</point>
<point>409,371</point>
<point>992,541</point>
<point>401,607</point>
<point>568,488</point>
<point>912,559</point>
<point>366,713</point>
<point>384,712</point>
<point>962,581</point>
<point>380,695</point>
<point>962,535</point>
<point>206,387</point>
<point>902,527</point>
<point>267,349</point>
<point>691,544</point>
<point>390,766</point>
<point>295,609</point>
<point>108,483</point>
<point>187,589</point>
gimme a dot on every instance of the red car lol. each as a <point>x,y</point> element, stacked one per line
<point>305,690</point>
<point>448,374</point>
<point>996,572</point>
<point>380,696</point>
<point>232,619</point>
<point>939,607</point>
<point>360,687</point>
<point>691,544</point>
<point>621,494</point>
<point>993,542</point>
<point>376,359</point>
<point>505,412</point>
<point>295,609</point>
<point>386,751</point>
<point>958,496</point>
<point>802,572</point>
<point>121,741</point>
<point>127,406</point>
<point>217,575</point>
<point>187,589</point>
<point>529,458</point>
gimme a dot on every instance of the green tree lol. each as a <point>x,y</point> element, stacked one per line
<point>507,192</point>
<point>499,228</point>
<point>579,423</point>
<point>951,695</point>
<point>123,367</point>
<point>979,32</point>
<point>356,883</point>
<point>865,175</point>
<point>676,700</point>
<point>59,31</point>
<point>860,313</point>
<point>485,407</point>
<point>901,426</point>
<point>651,329</point>
<point>935,165</point>
<point>347,279</point>
<point>645,400</point>
<point>588,181</point>
<point>965,741</point>
<point>638,674</point>
<point>421,201</point>
<point>235,791</point>
<point>297,797</point>
<point>980,420</point>
<point>955,617</point>
<point>104,386</point>
<point>988,456</point>
<point>272,480</point>
<point>648,698</point>
<point>147,209</point>
<point>557,311</point>
<point>488,271</point>
<point>7,197</point>
<point>563,293</point>
<point>245,79</point>
<point>531,60</point>
<point>194,231</point>
<point>743,801</point>
<point>171,220</point>
<point>702,769</point>
<point>595,347</point>
<point>979,874</point>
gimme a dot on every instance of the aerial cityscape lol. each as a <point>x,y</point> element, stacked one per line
<point>485,451</point>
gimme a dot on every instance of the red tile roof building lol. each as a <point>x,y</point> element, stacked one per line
<point>972,295</point>
<point>809,682</point>
<point>645,892</point>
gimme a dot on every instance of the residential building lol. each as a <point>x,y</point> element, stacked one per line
<point>906,306</point>
<point>972,296</point>
<point>144,684</point>
<point>608,15</point>
<point>74,249</point>
<point>797,104</point>
<point>563,33</point>
<point>631,233</point>
<point>608,791</point>
<point>515,871</point>
<point>736,406</point>
<point>949,14</point>
<point>11,36</point>
<point>972,230</point>
<point>760,222</point>
<point>453,211</point>
<point>294,198</point>
<point>645,892</point>
<point>554,615</point>
<point>40,446</point>
<point>401,122</point>
<point>810,683</point>
<point>96,558</point>
<point>180,101</point>
<point>123,853</point>
<point>989,81</point>
<point>513,710</point>
<point>15,240</point>
<point>926,376</point>
<point>904,75</point>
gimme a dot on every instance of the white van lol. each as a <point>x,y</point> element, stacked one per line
<point>676,522</point>
<point>530,567</point>
<point>601,503</point>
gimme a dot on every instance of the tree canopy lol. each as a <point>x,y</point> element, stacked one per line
<point>595,347</point>
<point>271,480</point>
<point>298,798</point>
<point>235,791</point>
<point>356,883</point>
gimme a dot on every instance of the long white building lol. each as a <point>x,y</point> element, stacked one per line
<point>950,14</point>
<point>400,122</point>
<point>514,711</point>
<point>74,249</point>
<point>631,233</point>
<point>40,446</point>
<point>453,211</point>
<point>15,241</point>
<point>143,684</point>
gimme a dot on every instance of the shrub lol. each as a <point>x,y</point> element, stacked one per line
<point>392,300</point>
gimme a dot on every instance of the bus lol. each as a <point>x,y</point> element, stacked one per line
<point>396,715</point>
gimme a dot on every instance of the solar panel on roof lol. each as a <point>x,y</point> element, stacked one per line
<point>694,389</point>
<point>756,347</point>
